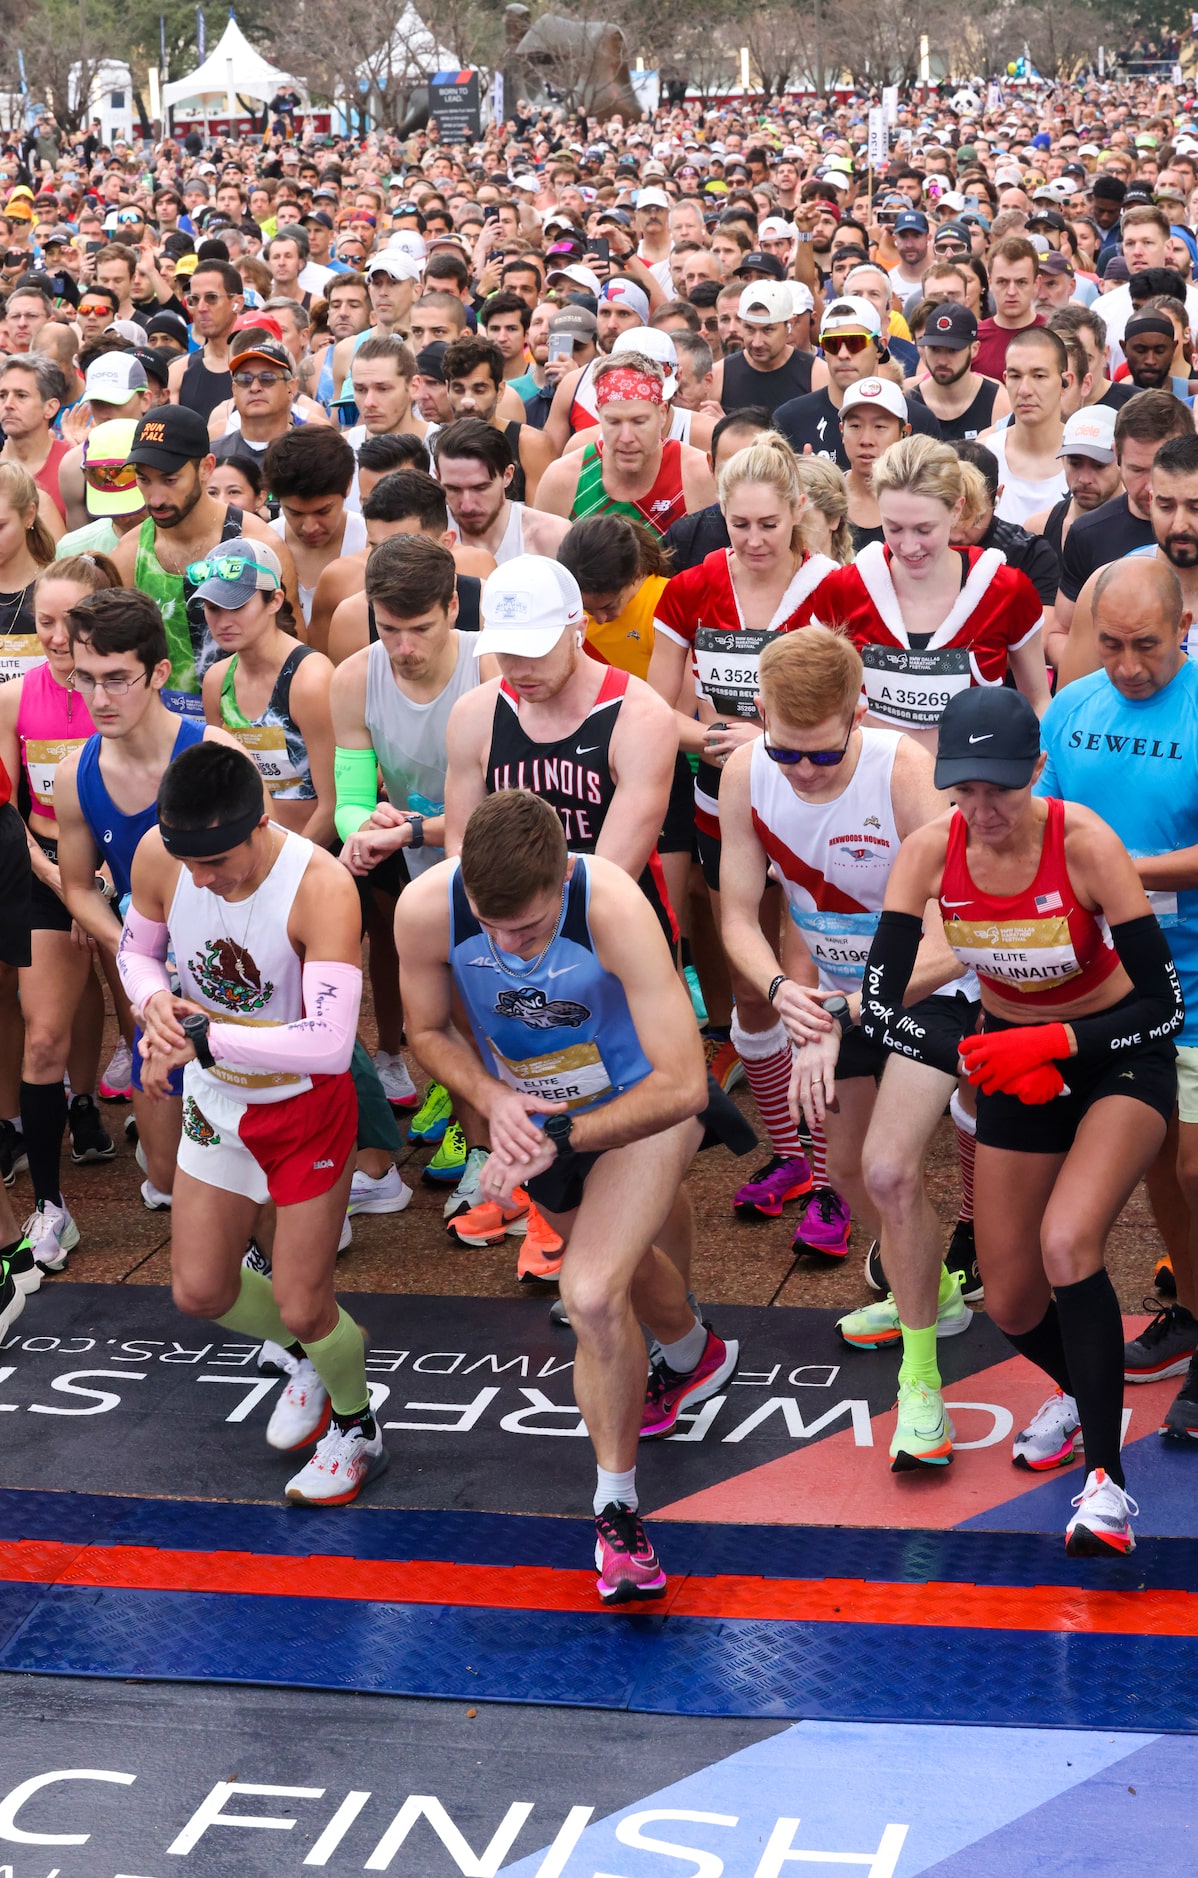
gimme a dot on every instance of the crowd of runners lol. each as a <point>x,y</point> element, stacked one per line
<point>671,557</point>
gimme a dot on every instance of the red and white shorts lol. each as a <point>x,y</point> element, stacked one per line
<point>287,1151</point>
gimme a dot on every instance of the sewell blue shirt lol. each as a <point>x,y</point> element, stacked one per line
<point>1135,763</point>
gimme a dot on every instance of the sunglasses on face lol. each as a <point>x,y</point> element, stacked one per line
<point>852,343</point>
<point>822,759</point>
<point>267,379</point>
<point>204,299</point>
<point>96,309</point>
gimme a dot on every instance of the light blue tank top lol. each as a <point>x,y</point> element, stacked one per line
<point>557,1027</point>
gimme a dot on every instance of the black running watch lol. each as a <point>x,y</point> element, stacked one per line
<point>838,1008</point>
<point>559,1128</point>
<point>416,824</point>
<point>195,1029</point>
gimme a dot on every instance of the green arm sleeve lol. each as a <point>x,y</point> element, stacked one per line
<point>355,773</point>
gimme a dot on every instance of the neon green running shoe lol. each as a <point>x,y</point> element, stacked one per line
<point>432,1117</point>
<point>449,1162</point>
<point>923,1435</point>
<point>876,1326</point>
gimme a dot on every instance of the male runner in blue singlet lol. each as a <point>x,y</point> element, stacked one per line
<point>589,1071</point>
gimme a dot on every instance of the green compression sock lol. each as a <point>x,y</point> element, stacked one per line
<point>340,1361</point>
<point>919,1356</point>
<point>255,1312</point>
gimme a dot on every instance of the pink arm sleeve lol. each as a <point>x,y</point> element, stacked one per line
<point>319,1044</point>
<point>141,958</point>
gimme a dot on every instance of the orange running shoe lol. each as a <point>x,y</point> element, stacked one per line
<point>723,1061</point>
<point>491,1220</point>
<point>540,1258</point>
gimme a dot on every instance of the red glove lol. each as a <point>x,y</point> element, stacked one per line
<point>1037,1085</point>
<point>994,1059</point>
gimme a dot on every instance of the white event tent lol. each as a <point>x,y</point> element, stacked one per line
<point>231,67</point>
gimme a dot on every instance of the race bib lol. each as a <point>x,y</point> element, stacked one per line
<point>911,689</point>
<point>1024,953</point>
<point>267,745</point>
<point>19,653</point>
<point>839,943</point>
<point>576,1075</point>
<point>41,760</point>
<point>727,664</point>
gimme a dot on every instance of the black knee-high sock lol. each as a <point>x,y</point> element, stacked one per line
<point>1042,1346</point>
<point>43,1121</point>
<point>1092,1333</point>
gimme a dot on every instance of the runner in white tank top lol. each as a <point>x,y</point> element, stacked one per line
<point>264,927</point>
<point>1021,497</point>
<point>829,831</point>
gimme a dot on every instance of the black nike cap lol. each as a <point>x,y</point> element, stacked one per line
<point>988,734</point>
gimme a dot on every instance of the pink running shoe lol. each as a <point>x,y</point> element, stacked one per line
<point>825,1226</point>
<point>628,1566</point>
<point>669,1392</point>
<point>783,1178</point>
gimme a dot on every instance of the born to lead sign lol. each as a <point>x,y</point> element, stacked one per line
<point>454,106</point>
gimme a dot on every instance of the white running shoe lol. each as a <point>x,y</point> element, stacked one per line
<point>301,1413</point>
<point>1052,1438</point>
<point>52,1233</point>
<point>1102,1523</point>
<point>342,1465</point>
<point>273,1359</point>
<point>24,1270</point>
<point>468,1193</point>
<point>154,1198</point>
<point>116,1083</point>
<point>347,1236</point>
<point>388,1194</point>
<point>139,1155</point>
<point>398,1086</point>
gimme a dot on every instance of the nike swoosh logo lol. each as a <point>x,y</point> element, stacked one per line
<point>579,751</point>
<point>561,971</point>
<point>956,903</point>
<point>984,738</point>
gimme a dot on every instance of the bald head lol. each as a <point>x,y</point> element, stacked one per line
<point>1140,624</point>
<point>1131,589</point>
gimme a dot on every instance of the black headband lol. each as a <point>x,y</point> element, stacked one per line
<point>1150,323</point>
<point>198,844</point>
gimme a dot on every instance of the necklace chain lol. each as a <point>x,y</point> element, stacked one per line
<point>529,966</point>
<point>15,615</point>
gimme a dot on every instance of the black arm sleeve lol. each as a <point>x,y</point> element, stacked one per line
<point>1159,1010</point>
<point>887,975</point>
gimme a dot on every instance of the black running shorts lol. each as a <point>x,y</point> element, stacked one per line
<point>1150,1076</point>
<point>947,1015</point>
<point>560,1188</point>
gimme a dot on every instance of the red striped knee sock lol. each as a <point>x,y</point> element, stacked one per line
<point>766,1057</point>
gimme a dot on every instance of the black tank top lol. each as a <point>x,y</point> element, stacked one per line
<point>202,390</point>
<point>573,775</point>
<point>744,386</point>
<point>516,487</point>
<point>1054,524</point>
<point>971,422</point>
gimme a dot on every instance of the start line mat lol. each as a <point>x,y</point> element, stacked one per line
<point>141,1536</point>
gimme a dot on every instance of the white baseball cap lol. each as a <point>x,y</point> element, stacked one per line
<point>654,345</point>
<point>393,261</point>
<point>765,303</point>
<point>527,182</point>
<point>652,199</point>
<point>851,314</point>
<point>776,228</point>
<point>526,606</point>
<point>1090,432</point>
<point>115,378</point>
<point>406,241</point>
<point>580,275</point>
<point>882,394</point>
